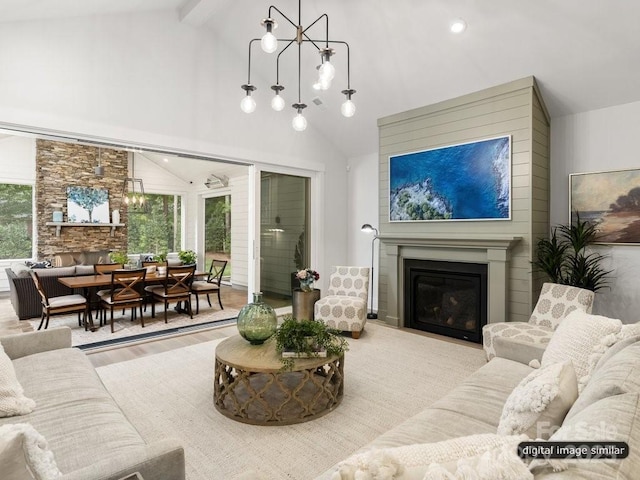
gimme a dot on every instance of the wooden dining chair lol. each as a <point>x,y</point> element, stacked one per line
<point>106,268</point>
<point>126,292</point>
<point>211,284</point>
<point>60,304</point>
<point>176,287</point>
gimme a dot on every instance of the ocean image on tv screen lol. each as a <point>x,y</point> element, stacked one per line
<point>471,181</point>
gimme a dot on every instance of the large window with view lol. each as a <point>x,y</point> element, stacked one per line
<point>158,229</point>
<point>16,221</point>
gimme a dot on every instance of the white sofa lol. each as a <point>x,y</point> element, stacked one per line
<point>90,437</point>
<point>609,405</point>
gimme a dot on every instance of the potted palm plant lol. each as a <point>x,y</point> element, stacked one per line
<point>565,257</point>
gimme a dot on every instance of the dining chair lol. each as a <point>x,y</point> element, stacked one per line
<point>176,287</point>
<point>60,304</point>
<point>211,284</point>
<point>126,292</point>
<point>106,268</point>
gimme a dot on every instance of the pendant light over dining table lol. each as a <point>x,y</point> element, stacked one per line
<point>133,191</point>
<point>326,70</point>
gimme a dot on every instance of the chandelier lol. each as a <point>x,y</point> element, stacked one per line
<point>133,192</point>
<point>326,70</point>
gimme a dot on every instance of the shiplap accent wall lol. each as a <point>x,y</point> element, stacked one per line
<point>514,109</point>
<point>239,230</point>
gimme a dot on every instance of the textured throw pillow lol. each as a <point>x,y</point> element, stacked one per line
<point>486,455</point>
<point>538,405</point>
<point>577,338</point>
<point>24,454</point>
<point>12,399</point>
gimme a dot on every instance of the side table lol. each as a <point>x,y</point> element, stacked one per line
<point>251,387</point>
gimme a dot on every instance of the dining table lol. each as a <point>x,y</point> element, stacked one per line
<point>89,282</point>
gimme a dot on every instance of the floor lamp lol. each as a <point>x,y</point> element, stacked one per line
<point>368,229</point>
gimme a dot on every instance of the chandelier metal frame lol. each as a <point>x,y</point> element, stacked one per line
<point>326,69</point>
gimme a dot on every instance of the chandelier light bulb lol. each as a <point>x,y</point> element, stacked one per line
<point>269,42</point>
<point>348,108</point>
<point>248,104</point>
<point>277,103</point>
<point>322,84</point>
<point>327,71</point>
<point>299,123</point>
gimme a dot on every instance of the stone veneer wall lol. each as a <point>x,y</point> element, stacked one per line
<point>515,109</point>
<point>60,165</point>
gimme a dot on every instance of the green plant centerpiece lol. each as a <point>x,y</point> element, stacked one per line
<point>307,338</point>
<point>119,257</point>
<point>161,257</point>
<point>564,257</point>
<point>188,257</point>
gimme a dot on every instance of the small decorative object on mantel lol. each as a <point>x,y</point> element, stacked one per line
<point>115,216</point>
<point>306,278</point>
<point>307,339</point>
<point>57,212</point>
<point>257,321</point>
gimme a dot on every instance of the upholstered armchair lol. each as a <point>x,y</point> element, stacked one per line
<point>529,339</point>
<point>345,305</point>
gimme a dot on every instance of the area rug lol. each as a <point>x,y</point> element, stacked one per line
<point>126,331</point>
<point>390,375</point>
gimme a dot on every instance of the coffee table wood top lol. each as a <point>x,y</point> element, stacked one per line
<point>237,352</point>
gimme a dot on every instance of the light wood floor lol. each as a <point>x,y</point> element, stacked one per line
<point>232,297</point>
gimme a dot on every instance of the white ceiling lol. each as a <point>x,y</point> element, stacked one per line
<point>585,54</point>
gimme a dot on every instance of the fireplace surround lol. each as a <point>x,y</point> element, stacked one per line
<point>493,252</point>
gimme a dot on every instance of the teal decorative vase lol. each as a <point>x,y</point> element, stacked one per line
<point>257,321</point>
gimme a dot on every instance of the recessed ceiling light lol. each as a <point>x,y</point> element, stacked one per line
<point>458,26</point>
<point>165,159</point>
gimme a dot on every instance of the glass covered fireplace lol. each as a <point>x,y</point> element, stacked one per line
<point>447,298</point>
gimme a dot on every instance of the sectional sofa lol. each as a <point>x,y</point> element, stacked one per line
<point>607,408</point>
<point>90,437</point>
<point>22,291</point>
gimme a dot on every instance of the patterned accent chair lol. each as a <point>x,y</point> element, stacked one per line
<point>345,306</point>
<point>555,302</point>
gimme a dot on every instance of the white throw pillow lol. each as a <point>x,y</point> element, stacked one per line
<point>24,454</point>
<point>538,405</point>
<point>577,338</point>
<point>12,399</point>
<point>487,455</point>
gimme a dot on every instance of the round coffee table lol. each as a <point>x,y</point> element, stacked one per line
<point>250,385</point>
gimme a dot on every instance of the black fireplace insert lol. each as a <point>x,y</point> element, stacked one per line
<point>447,298</point>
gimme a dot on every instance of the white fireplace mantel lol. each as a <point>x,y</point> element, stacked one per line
<point>494,250</point>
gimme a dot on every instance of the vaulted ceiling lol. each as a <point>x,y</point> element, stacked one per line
<point>585,54</point>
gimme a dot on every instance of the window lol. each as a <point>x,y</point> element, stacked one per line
<point>158,230</point>
<point>16,221</point>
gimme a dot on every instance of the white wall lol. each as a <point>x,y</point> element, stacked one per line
<point>148,79</point>
<point>596,141</point>
<point>362,199</point>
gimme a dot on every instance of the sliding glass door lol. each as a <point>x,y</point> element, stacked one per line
<point>284,233</point>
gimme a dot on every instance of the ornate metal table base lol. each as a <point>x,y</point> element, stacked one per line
<point>250,387</point>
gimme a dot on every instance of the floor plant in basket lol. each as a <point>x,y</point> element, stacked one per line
<point>306,339</point>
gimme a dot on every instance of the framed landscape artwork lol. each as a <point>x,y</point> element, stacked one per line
<point>609,199</point>
<point>87,205</point>
<point>469,181</point>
